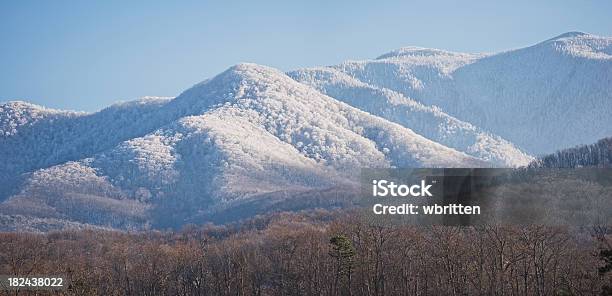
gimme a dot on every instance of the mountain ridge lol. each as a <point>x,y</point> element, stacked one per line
<point>249,132</point>
<point>522,95</point>
<point>253,138</point>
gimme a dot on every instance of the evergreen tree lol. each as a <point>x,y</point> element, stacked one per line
<point>343,251</point>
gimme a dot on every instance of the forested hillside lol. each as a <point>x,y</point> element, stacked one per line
<point>595,155</point>
<point>320,253</point>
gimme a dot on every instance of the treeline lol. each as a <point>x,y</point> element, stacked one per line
<point>317,253</point>
<point>594,155</point>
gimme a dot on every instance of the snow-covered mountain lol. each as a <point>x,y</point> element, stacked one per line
<point>248,132</point>
<point>429,121</point>
<point>554,94</point>
<point>253,138</point>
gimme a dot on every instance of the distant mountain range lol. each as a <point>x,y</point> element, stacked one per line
<point>254,138</point>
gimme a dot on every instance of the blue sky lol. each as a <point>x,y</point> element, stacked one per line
<point>82,55</point>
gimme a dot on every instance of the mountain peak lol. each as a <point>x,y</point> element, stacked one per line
<point>240,73</point>
<point>14,114</point>
<point>234,74</point>
<point>570,34</point>
<point>20,105</point>
<point>415,51</point>
<point>580,44</point>
<point>241,83</point>
<point>250,66</point>
<point>248,70</point>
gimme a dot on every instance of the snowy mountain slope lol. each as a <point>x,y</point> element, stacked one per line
<point>18,121</point>
<point>554,94</point>
<point>221,160</point>
<point>319,126</point>
<point>246,134</point>
<point>194,164</point>
<point>259,108</point>
<point>17,115</point>
<point>561,97</point>
<point>428,121</point>
<point>253,138</point>
<point>260,131</point>
<point>35,137</point>
<point>409,70</point>
<point>74,192</point>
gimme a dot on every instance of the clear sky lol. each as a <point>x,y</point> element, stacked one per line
<point>82,55</point>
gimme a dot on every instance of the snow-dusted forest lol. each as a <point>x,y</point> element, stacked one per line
<point>253,137</point>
